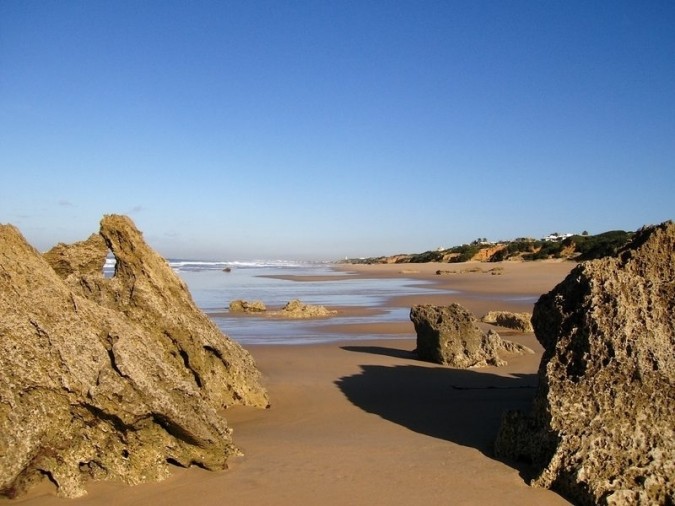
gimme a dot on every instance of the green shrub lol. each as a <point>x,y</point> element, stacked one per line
<point>427,256</point>
<point>602,245</point>
<point>465,252</point>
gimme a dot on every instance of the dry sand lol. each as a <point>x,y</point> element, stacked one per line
<point>365,423</point>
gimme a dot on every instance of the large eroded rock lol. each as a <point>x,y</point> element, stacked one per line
<point>602,426</point>
<point>109,378</point>
<point>450,335</point>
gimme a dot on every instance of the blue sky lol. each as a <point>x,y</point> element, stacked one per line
<point>324,129</point>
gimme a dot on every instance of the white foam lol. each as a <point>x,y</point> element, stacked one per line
<point>208,265</point>
<point>195,265</point>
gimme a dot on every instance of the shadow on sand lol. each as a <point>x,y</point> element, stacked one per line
<point>382,350</point>
<point>458,405</point>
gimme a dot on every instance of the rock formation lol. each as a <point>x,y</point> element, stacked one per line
<point>109,378</point>
<point>82,258</point>
<point>495,271</point>
<point>516,321</point>
<point>245,306</point>
<point>602,426</point>
<point>450,335</point>
<point>295,309</point>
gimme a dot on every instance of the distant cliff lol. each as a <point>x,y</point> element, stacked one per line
<point>575,247</point>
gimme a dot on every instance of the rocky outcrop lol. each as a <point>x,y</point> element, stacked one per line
<point>245,306</point>
<point>516,321</point>
<point>602,426</point>
<point>81,258</point>
<point>295,309</point>
<point>450,335</point>
<point>109,379</point>
<point>495,271</point>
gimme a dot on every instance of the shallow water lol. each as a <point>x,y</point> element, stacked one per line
<point>213,290</point>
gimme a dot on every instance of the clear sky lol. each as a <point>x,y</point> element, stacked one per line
<point>324,129</point>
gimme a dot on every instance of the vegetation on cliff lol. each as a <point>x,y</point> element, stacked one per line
<point>574,247</point>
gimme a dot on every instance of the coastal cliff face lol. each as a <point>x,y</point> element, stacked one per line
<point>109,378</point>
<point>602,426</point>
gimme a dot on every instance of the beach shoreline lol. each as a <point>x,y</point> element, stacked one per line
<point>364,421</point>
<point>478,286</point>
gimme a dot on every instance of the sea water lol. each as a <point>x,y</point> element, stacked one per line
<point>214,285</point>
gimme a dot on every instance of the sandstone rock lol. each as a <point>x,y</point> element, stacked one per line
<point>602,426</point>
<point>450,335</point>
<point>244,306</point>
<point>294,309</point>
<point>516,321</point>
<point>297,310</point>
<point>84,257</point>
<point>109,378</point>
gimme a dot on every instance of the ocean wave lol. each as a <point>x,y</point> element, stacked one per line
<point>202,265</point>
<point>212,265</point>
<point>273,263</point>
<point>109,266</point>
<point>195,265</point>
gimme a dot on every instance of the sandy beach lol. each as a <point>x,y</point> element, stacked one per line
<point>365,422</point>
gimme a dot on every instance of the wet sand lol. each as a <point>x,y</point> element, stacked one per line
<point>365,422</point>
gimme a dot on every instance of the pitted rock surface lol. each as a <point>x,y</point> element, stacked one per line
<point>109,378</point>
<point>602,426</point>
